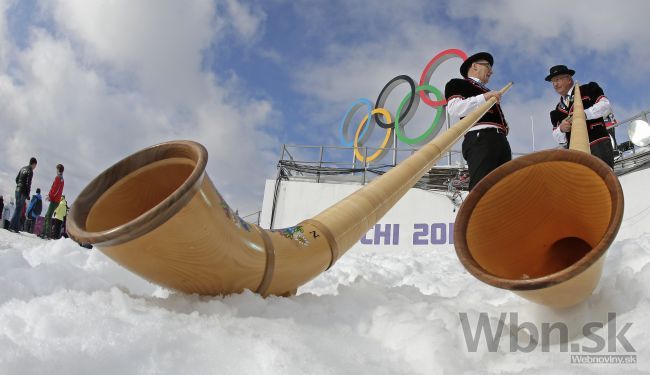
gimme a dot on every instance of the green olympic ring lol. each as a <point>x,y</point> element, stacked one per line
<point>429,133</point>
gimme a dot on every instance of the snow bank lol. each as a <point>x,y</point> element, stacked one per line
<point>68,310</point>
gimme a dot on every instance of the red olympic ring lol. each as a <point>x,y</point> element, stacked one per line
<point>431,67</point>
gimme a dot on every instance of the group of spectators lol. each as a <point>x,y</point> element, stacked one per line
<point>21,216</point>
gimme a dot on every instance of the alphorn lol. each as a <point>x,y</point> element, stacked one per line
<point>158,214</point>
<point>540,225</point>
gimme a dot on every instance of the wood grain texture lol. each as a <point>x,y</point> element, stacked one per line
<point>150,217</point>
<point>158,214</point>
<point>579,132</point>
<point>539,221</point>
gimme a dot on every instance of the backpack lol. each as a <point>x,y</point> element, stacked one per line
<point>35,209</point>
<point>38,207</point>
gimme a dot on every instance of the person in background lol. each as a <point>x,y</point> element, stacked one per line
<point>59,215</point>
<point>33,211</point>
<point>596,107</point>
<point>54,196</point>
<point>610,125</point>
<point>2,209</point>
<point>7,213</point>
<point>23,189</point>
<point>21,223</point>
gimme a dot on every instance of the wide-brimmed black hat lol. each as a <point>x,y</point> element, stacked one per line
<point>558,70</point>
<point>464,67</point>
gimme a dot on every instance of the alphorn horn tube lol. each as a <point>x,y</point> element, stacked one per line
<point>540,225</point>
<point>579,133</point>
<point>158,214</point>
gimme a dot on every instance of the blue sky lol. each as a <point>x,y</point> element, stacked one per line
<point>86,83</point>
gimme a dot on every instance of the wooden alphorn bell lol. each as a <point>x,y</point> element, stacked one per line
<point>540,225</point>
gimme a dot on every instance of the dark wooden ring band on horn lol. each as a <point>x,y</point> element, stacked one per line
<point>270,262</point>
<point>334,248</point>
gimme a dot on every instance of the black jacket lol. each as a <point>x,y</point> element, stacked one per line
<point>24,180</point>
<point>591,94</point>
<point>467,87</point>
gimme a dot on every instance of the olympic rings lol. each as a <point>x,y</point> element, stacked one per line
<point>405,111</point>
<point>429,133</point>
<point>387,143</point>
<point>381,100</point>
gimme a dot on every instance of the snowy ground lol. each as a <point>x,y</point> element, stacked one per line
<point>68,310</point>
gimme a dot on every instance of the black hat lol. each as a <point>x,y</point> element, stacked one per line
<point>464,67</point>
<point>558,70</point>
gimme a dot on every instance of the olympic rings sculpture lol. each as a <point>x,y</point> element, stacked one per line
<point>405,111</point>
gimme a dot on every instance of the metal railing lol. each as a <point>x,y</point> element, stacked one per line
<point>628,156</point>
<point>323,161</point>
<point>340,164</point>
<point>253,218</point>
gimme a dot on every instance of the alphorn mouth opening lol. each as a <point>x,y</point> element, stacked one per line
<point>539,220</point>
<point>138,194</point>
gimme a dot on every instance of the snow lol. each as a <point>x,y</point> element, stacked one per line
<point>68,310</point>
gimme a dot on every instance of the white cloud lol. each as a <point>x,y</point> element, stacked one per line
<point>159,44</point>
<point>525,37</point>
<point>246,20</point>
<point>596,24</point>
<point>548,29</point>
<point>110,78</point>
<point>4,46</point>
<point>360,68</point>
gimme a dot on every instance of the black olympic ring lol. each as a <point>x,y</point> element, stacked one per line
<point>414,100</point>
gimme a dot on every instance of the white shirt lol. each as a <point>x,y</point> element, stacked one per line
<point>8,211</point>
<point>602,108</point>
<point>458,107</point>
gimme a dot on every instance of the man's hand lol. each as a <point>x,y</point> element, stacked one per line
<point>492,94</point>
<point>565,126</point>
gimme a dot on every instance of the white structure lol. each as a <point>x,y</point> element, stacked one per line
<point>422,220</point>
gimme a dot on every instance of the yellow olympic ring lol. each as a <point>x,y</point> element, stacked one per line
<point>387,139</point>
